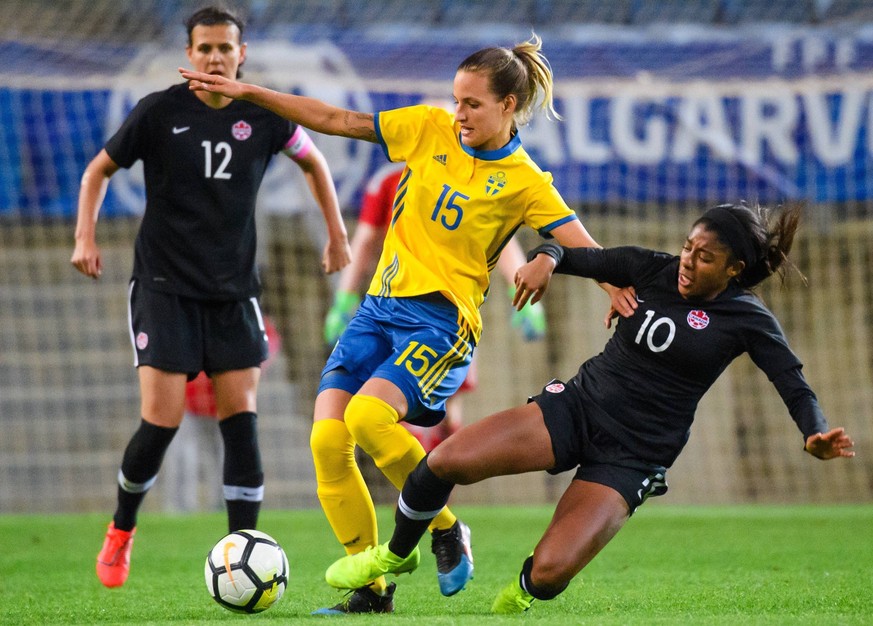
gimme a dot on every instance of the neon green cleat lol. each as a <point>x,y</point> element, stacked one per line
<point>356,570</point>
<point>512,600</point>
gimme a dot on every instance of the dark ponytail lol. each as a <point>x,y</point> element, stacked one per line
<point>758,236</point>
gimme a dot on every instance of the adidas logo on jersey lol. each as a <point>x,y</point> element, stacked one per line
<point>440,157</point>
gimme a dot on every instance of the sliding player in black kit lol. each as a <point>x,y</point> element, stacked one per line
<point>625,416</point>
<point>194,291</point>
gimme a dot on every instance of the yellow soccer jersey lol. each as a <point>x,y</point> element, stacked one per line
<point>455,209</point>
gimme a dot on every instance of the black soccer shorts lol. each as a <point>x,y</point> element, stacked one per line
<point>578,441</point>
<point>178,334</point>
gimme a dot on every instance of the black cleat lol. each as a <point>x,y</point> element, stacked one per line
<point>363,600</point>
<point>454,557</point>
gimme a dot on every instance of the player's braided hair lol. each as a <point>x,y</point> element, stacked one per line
<point>522,71</point>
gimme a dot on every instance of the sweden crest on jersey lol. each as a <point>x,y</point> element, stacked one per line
<point>496,182</point>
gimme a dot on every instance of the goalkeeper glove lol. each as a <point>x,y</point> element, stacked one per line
<point>345,303</point>
<point>530,321</point>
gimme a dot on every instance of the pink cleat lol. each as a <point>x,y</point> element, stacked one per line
<point>113,562</point>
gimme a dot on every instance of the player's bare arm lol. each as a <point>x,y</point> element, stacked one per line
<point>337,251</point>
<point>86,255</point>
<point>308,112</point>
<point>359,126</point>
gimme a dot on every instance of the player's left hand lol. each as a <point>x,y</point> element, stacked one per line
<point>830,445</point>
<point>337,254</point>
<point>87,258</point>
<point>622,302</point>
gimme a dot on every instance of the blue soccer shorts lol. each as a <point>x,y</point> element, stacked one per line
<point>420,344</point>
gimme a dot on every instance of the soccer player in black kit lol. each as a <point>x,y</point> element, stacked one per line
<point>193,296</point>
<point>625,416</point>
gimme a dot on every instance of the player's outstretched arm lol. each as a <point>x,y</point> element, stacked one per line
<point>309,112</point>
<point>622,300</point>
<point>830,445</point>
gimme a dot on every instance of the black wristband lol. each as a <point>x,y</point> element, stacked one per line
<point>552,249</point>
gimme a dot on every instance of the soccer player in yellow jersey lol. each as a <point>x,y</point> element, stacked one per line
<point>468,186</point>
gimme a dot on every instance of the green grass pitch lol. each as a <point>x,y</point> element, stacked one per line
<point>669,565</point>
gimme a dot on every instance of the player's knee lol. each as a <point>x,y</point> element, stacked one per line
<point>333,449</point>
<point>547,577</point>
<point>448,465</point>
<point>374,426</point>
<point>367,419</point>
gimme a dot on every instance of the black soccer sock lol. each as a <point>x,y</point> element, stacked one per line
<point>243,472</point>
<point>540,593</point>
<point>139,469</point>
<point>423,496</point>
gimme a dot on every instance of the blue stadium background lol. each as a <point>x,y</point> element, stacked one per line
<point>48,134</point>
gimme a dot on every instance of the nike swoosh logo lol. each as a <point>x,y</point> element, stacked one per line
<point>177,130</point>
<point>227,548</point>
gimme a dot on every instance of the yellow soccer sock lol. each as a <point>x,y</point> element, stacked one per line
<point>343,494</point>
<point>395,451</point>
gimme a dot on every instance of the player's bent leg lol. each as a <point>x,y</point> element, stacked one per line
<point>375,426</point>
<point>587,517</point>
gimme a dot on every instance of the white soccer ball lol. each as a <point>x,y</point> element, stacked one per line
<point>246,571</point>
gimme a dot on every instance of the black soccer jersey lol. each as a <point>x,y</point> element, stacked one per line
<point>203,168</point>
<point>645,386</point>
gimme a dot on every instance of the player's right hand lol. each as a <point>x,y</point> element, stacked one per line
<point>213,83</point>
<point>345,303</point>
